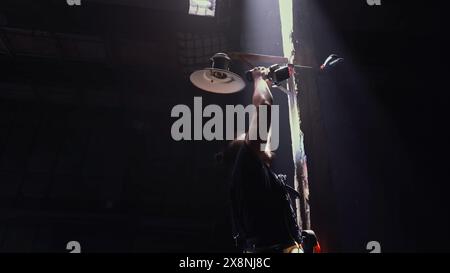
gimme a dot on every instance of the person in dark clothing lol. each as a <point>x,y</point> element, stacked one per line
<point>263,217</point>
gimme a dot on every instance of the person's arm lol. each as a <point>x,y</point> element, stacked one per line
<point>261,96</point>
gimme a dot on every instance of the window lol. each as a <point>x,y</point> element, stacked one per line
<point>202,7</point>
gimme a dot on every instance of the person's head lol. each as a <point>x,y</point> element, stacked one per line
<point>227,158</point>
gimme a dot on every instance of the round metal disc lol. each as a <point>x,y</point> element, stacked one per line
<point>217,81</point>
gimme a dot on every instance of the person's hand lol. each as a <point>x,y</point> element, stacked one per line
<point>260,72</point>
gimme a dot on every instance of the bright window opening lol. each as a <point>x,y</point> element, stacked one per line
<point>202,7</point>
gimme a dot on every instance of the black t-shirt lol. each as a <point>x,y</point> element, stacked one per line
<point>261,206</point>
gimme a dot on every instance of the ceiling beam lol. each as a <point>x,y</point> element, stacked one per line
<point>169,5</point>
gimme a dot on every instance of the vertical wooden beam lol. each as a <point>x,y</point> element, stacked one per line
<point>297,137</point>
<point>299,155</point>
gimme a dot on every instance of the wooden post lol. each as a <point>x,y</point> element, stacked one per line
<point>298,149</point>
<point>299,157</point>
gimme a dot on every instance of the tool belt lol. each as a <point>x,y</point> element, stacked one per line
<point>279,248</point>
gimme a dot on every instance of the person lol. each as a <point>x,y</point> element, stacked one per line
<point>263,217</point>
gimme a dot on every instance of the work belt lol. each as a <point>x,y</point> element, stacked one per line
<point>278,248</point>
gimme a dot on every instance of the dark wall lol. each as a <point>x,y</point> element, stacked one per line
<point>384,113</point>
<point>85,149</point>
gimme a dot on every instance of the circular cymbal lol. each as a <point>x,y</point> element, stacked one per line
<point>217,81</point>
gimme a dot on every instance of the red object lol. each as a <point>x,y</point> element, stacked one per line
<point>317,248</point>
